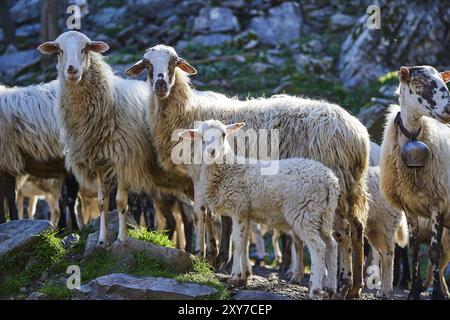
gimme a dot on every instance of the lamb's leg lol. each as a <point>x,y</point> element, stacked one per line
<point>103,206</point>
<point>276,246</point>
<point>259,241</point>
<point>200,233</point>
<point>188,227</point>
<point>317,248</point>
<point>297,260</point>
<point>239,236</point>
<point>122,206</point>
<point>331,256</point>
<point>437,227</point>
<point>416,286</point>
<point>211,248</point>
<point>225,244</point>
<point>245,265</point>
<point>387,270</point>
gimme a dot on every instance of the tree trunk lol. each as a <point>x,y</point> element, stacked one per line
<point>49,26</point>
<point>6,22</point>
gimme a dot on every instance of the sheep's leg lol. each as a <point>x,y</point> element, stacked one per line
<point>72,193</point>
<point>331,255</point>
<point>245,265</point>
<point>20,208</point>
<point>11,197</point>
<point>416,286</point>
<point>387,270</point>
<point>188,227</point>
<point>103,206</point>
<point>32,204</point>
<point>259,241</point>
<point>211,248</point>
<point>342,235</point>
<point>317,248</point>
<point>437,227</point>
<point>122,206</point>
<point>276,246</point>
<point>442,266</point>
<point>297,270</point>
<point>200,233</point>
<point>225,244</point>
<point>357,237</point>
<point>286,245</point>
<point>239,236</point>
<point>54,210</point>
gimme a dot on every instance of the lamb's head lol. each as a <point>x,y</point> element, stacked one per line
<point>213,135</point>
<point>423,91</point>
<point>160,62</point>
<point>73,49</point>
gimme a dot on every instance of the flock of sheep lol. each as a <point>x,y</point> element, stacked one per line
<point>118,134</point>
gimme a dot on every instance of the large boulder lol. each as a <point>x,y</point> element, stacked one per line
<point>211,20</point>
<point>119,286</point>
<point>412,33</point>
<point>19,235</point>
<point>175,260</point>
<point>281,26</point>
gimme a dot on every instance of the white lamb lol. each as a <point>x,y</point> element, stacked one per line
<point>302,196</point>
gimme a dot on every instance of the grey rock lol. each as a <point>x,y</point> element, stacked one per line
<point>306,63</point>
<point>373,118</point>
<point>175,260</point>
<point>70,240</point>
<point>14,62</point>
<point>216,19</point>
<point>108,17</point>
<point>20,235</point>
<point>212,40</point>
<point>153,8</point>
<point>419,37</point>
<point>119,286</point>
<point>28,30</point>
<point>25,10</point>
<point>257,295</point>
<point>37,296</point>
<point>340,20</point>
<point>281,26</point>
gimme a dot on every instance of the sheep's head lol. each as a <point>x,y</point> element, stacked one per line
<point>160,62</point>
<point>73,49</point>
<point>423,90</point>
<point>213,135</point>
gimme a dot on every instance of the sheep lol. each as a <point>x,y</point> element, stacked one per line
<point>49,189</point>
<point>302,196</point>
<point>312,129</point>
<point>102,121</point>
<point>424,236</point>
<point>385,227</point>
<point>420,191</point>
<point>30,138</point>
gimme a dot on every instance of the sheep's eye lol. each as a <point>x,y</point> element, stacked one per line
<point>416,81</point>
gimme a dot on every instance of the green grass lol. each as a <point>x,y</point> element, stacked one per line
<point>56,292</point>
<point>155,237</point>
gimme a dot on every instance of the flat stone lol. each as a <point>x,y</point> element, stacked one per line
<point>19,235</point>
<point>216,19</point>
<point>119,286</point>
<point>257,295</point>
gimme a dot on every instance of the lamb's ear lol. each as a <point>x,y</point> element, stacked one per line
<point>135,69</point>
<point>98,46</point>
<point>445,76</point>
<point>49,47</point>
<point>234,127</point>
<point>189,134</point>
<point>403,74</point>
<point>185,66</point>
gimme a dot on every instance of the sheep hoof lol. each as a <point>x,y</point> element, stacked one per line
<point>295,278</point>
<point>355,294</point>
<point>237,281</point>
<point>329,294</point>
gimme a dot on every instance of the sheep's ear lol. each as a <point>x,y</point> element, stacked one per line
<point>49,47</point>
<point>445,76</point>
<point>403,74</point>
<point>98,46</point>
<point>185,66</point>
<point>135,69</point>
<point>189,134</point>
<point>234,127</point>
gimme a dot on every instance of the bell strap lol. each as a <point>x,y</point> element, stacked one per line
<point>411,136</point>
